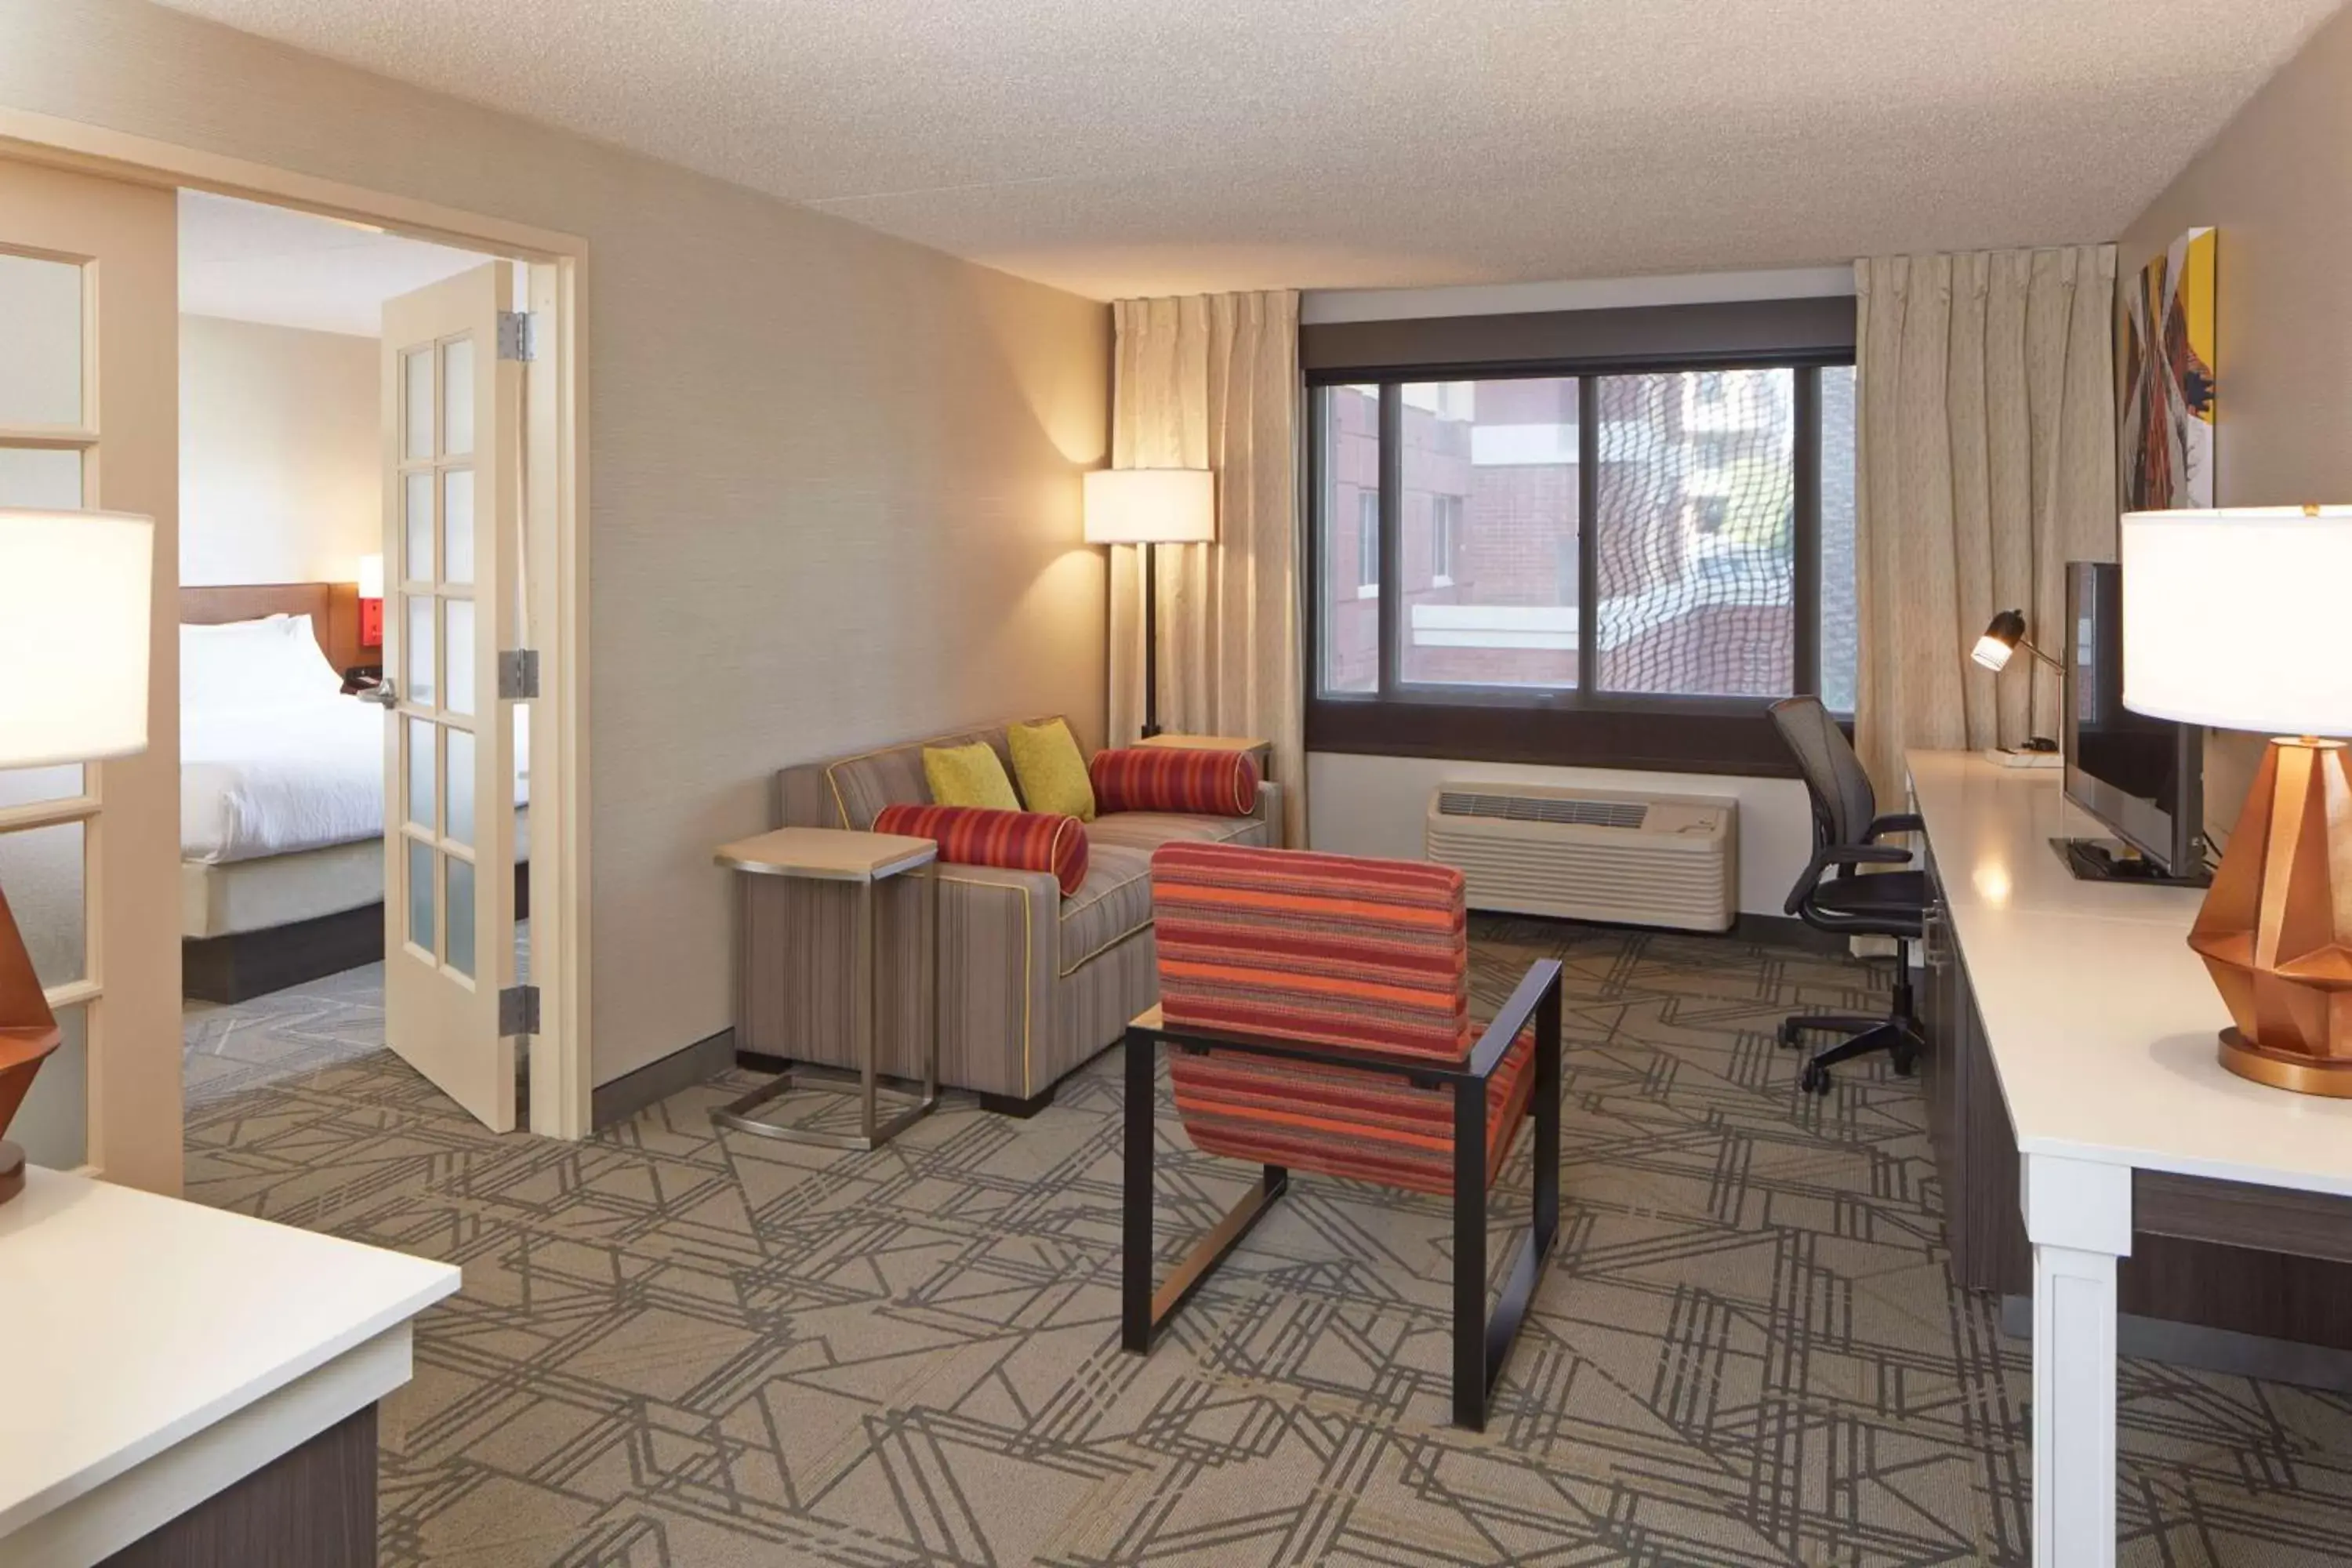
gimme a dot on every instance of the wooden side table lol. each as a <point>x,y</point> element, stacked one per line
<point>833,855</point>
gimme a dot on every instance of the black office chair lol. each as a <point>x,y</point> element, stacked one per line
<point>1831,897</point>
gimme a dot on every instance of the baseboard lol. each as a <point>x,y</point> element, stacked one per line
<point>658,1081</point>
<point>2224,1351</point>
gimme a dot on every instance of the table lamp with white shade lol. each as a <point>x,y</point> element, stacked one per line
<point>2234,618</point>
<point>74,598</point>
<point>1151,506</point>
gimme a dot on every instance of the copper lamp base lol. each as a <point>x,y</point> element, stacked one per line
<point>29,1032</point>
<point>2275,931</point>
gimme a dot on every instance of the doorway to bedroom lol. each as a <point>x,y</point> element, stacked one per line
<point>336,492</point>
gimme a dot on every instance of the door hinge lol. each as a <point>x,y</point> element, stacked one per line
<point>518,1010</point>
<point>518,334</point>
<point>518,674</point>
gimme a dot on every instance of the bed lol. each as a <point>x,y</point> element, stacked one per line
<point>281,791</point>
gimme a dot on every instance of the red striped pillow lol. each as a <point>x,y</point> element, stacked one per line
<point>1158,778</point>
<point>1011,840</point>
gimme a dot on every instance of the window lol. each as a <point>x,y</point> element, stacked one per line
<point>1625,567</point>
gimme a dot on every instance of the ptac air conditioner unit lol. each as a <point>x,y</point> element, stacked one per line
<point>1591,855</point>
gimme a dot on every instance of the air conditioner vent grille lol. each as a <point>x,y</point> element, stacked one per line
<point>1629,813</point>
<point>1618,855</point>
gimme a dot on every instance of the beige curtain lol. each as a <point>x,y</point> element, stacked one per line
<point>1212,381</point>
<point>1986,459</point>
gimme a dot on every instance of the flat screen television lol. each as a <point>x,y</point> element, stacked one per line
<point>2142,778</point>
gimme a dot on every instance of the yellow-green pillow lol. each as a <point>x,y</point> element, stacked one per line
<point>1052,774</point>
<point>968,775</point>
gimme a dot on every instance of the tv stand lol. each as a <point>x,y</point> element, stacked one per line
<point>2103,860</point>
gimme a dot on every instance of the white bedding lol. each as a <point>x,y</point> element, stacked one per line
<point>300,772</point>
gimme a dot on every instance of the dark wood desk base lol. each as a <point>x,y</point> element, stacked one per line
<point>2210,1255</point>
<point>313,1508</point>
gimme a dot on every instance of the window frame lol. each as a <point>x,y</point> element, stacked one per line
<point>1569,726</point>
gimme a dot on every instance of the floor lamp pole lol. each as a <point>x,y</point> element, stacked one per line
<point>1150,641</point>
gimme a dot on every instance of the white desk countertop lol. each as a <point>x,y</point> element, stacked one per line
<point>132,1322</point>
<point>2100,1021</point>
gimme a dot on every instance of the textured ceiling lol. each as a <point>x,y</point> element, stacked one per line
<point>1125,147</point>
<point>254,263</point>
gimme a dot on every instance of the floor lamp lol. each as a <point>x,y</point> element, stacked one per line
<point>74,600</point>
<point>1151,506</point>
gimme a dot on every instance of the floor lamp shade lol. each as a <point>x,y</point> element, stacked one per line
<point>74,599</point>
<point>2232,619</point>
<point>1149,507</point>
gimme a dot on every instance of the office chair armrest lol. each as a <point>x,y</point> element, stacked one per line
<point>1896,822</point>
<point>1845,855</point>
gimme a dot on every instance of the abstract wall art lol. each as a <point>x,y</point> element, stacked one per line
<point>2165,405</point>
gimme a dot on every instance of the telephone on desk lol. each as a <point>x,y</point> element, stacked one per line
<point>358,677</point>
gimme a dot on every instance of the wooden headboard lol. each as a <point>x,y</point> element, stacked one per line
<point>333,609</point>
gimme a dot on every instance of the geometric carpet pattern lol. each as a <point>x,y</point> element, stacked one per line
<point>676,1349</point>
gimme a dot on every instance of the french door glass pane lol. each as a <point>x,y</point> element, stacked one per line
<point>417,526</point>
<point>420,893</point>
<point>1840,617</point>
<point>457,660</point>
<point>419,641</point>
<point>1695,532</point>
<point>1489,471</point>
<point>416,399</point>
<point>1349,610</point>
<point>41,872</point>
<point>29,786</point>
<point>457,526</point>
<point>457,397</point>
<point>40,477</point>
<point>461,955</point>
<point>40,341</point>
<point>53,1124</point>
<point>460,826</point>
<point>420,733</point>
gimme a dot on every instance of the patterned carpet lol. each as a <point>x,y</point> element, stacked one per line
<point>675,1349</point>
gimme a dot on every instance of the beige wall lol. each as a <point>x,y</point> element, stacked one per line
<point>2277,184</point>
<point>279,453</point>
<point>835,475</point>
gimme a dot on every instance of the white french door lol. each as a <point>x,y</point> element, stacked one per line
<point>88,418</point>
<point>453,430</point>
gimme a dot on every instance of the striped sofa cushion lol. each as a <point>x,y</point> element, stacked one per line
<point>1012,840</point>
<point>1156,778</point>
<point>1372,955</point>
<point>1345,1121</point>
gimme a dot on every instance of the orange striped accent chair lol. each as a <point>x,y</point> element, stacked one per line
<point>1316,1011</point>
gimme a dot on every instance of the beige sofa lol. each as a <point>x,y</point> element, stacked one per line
<point>1032,984</point>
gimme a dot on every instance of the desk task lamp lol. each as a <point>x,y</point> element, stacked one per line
<point>2233,619</point>
<point>74,593</point>
<point>1151,506</point>
<point>2002,638</point>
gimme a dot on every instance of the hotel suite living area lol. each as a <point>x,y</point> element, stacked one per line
<point>1086,783</point>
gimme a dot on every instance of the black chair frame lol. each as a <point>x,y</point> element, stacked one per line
<point>1481,1343</point>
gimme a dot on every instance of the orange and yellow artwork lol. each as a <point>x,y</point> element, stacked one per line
<point>2169,385</point>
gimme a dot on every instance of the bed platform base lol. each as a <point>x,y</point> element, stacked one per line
<point>243,964</point>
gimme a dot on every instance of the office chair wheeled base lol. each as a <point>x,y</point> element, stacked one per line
<point>1899,1038</point>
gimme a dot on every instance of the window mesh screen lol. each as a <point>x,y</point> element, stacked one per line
<point>1694,533</point>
